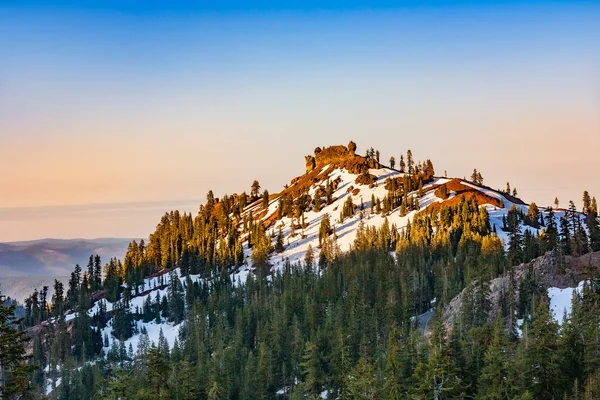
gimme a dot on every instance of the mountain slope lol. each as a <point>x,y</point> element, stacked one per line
<point>341,267</point>
<point>353,177</point>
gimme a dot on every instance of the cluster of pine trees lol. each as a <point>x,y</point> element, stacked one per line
<point>346,330</point>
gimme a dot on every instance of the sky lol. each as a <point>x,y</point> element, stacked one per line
<point>112,113</point>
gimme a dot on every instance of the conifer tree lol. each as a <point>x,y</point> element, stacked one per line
<point>324,228</point>
<point>312,371</point>
<point>542,368</point>
<point>393,367</point>
<point>157,368</point>
<point>255,189</point>
<point>279,242</point>
<point>216,392</point>
<point>439,377</point>
<point>176,298</point>
<point>309,257</point>
<point>58,307</point>
<point>515,246</point>
<point>73,290</point>
<point>14,368</point>
<point>362,383</point>
<point>474,176</point>
<point>587,203</point>
<point>318,201</point>
<point>533,214</point>
<point>401,164</point>
<point>97,273</point>
<point>594,230</point>
<point>494,381</point>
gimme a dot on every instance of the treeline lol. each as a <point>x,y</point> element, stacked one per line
<point>344,330</point>
<point>348,332</point>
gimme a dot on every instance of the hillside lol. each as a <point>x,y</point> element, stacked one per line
<point>553,276</point>
<point>344,170</point>
<point>344,259</point>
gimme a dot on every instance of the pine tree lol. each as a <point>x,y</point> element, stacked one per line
<point>318,201</point>
<point>542,368</point>
<point>255,189</point>
<point>279,242</point>
<point>324,228</point>
<point>393,367</point>
<point>494,381</point>
<point>264,373</point>
<point>439,377</point>
<point>312,370</point>
<point>157,371</point>
<point>176,298</point>
<point>73,291</point>
<point>362,383</point>
<point>474,176</point>
<point>309,257</point>
<point>587,203</point>
<point>515,244</point>
<point>533,214</point>
<point>216,392</point>
<point>90,273</point>
<point>58,307</point>
<point>97,273</point>
<point>14,368</point>
<point>402,165</point>
<point>594,229</point>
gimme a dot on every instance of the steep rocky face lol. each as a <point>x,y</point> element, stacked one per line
<point>342,157</point>
<point>550,271</point>
<point>310,163</point>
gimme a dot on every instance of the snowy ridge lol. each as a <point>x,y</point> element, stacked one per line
<point>296,246</point>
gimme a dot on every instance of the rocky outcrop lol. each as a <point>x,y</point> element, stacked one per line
<point>365,179</point>
<point>332,154</point>
<point>352,147</point>
<point>310,163</point>
<point>551,271</point>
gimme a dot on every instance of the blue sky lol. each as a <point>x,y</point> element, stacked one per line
<point>127,102</point>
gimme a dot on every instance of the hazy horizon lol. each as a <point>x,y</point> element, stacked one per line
<point>114,113</point>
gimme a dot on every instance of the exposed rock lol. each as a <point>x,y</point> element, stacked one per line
<point>310,163</point>
<point>365,179</point>
<point>546,268</point>
<point>332,154</point>
<point>352,147</point>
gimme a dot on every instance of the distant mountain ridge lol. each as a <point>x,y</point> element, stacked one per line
<point>55,257</point>
<point>19,288</point>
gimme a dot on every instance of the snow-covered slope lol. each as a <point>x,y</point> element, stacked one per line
<point>297,245</point>
<point>297,240</point>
